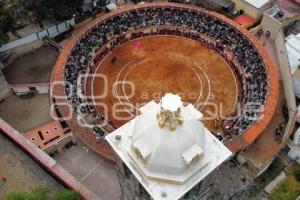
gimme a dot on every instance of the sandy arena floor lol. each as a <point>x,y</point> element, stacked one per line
<point>146,67</point>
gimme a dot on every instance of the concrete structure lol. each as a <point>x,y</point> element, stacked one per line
<point>254,8</point>
<point>166,153</point>
<point>273,23</point>
<point>272,28</point>
<point>51,137</point>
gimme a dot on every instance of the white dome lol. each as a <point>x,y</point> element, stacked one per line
<point>168,161</point>
<point>166,153</point>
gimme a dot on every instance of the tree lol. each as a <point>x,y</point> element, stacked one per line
<point>18,196</point>
<point>102,3</point>
<point>53,10</point>
<point>297,174</point>
<point>44,194</point>
<point>37,11</point>
<point>5,22</point>
<point>66,194</point>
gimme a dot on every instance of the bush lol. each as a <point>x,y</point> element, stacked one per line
<point>18,196</point>
<point>297,174</point>
<point>40,193</point>
<point>43,194</point>
<point>289,189</point>
<point>66,194</point>
<point>282,193</point>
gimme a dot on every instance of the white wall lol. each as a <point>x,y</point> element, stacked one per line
<point>21,90</point>
<point>275,28</point>
<point>42,89</point>
<point>24,89</point>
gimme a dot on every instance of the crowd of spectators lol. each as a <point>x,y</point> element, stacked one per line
<point>183,22</point>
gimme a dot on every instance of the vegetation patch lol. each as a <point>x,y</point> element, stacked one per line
<point>265,178</point>
<point>44,194</point>
<point>289,189</point>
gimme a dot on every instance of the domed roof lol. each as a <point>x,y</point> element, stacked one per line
<point>168,161</point>
<point>173,155</point>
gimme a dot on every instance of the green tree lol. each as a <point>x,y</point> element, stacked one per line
<point>102,3</point>
<point>18,196</point>
<point>297,174</point>
<point>66,194</point>
<point>40,193</point>
<point>37,11</point>
<point>5,22</point>
<point>44,194</point>
<point>53,10</point>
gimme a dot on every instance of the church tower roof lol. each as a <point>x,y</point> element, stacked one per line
<point>168,148</point>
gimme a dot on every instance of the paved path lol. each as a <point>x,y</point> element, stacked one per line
<point>96,174</point>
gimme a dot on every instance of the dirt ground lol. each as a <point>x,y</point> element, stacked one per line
<point>146,67</point>
<point>34,67</point>
<point>26,113</point>
<point>21,172</point>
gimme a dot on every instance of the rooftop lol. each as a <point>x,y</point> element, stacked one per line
<point>176,175</point>
<point>258,3</point>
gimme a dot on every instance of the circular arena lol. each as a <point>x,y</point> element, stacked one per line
<point>128,57</point>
